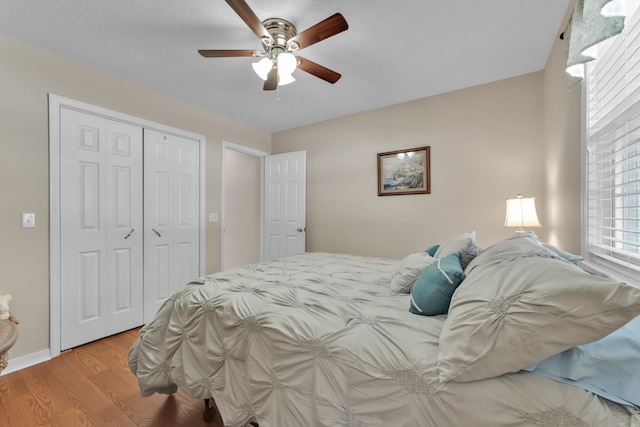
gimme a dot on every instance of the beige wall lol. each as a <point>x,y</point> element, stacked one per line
<point>27,75</point>
<point>242,208</point>
<point>486,145</point>
<point>562,136</point>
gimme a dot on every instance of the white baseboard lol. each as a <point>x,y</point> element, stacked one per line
<point>17,363</point>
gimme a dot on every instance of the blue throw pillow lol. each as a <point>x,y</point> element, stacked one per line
<point>432,250</point>
<point>431,294</point>
<point>609,367</point>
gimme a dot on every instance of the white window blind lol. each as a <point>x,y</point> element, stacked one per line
<point>613,153</point>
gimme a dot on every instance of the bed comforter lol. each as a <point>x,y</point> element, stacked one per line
<point>318,339</point>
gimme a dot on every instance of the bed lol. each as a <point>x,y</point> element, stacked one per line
<point>518,335</point>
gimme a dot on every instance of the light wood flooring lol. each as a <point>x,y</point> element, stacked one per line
<point>91,385</point>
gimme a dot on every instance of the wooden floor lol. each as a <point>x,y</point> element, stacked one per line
<point>91,385</point>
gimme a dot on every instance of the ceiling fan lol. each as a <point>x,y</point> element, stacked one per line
<point>279,40</point>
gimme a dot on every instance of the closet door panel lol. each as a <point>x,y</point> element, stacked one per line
<point>101,206</point>
<point>124,226</point>
<point>172,228</point>
<point>83,245</point>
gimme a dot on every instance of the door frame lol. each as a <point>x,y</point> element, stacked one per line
<point>226,145</point>
<point>57,102</point>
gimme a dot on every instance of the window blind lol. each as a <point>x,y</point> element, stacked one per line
<point>612,204</point>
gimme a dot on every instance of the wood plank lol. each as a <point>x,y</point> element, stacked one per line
<point>23,411</point>
<point>12,385</point>
<point>74,416</point>
<point>41,385</point>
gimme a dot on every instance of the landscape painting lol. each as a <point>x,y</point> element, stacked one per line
<point>404,172</point>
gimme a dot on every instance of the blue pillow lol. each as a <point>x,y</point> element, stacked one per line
<point>431,294</point>
<point>432,250</point>
<point>574,259</point>
<point>609,367</point>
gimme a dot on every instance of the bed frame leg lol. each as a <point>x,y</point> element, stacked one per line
<point>209,411</point>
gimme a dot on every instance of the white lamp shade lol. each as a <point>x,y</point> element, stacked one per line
<point>262,68</point>
<point>521,213</point>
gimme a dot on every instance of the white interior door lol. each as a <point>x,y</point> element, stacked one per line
<point>101,227</point>
<point>171,216</point>
<point>285,204</point>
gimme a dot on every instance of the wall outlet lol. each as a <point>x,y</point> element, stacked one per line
<point>28,220</point>
<point>213,217</point>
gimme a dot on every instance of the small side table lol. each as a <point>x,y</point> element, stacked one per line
<point>8,337</point>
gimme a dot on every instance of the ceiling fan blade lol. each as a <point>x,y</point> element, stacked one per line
<point>318,70</point>
<point>244,11</point>
<point>322,30</point>
<point>272,80</point>
<point>222,53</point>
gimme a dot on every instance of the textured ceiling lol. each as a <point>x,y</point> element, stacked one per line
<point>391,53</point>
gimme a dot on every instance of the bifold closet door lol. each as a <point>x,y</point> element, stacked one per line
<point>171,216</point>
<point>101,227</point>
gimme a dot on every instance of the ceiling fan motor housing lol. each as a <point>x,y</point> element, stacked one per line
<point>281,31</point>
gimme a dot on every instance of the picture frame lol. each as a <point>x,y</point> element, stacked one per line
<point>404,172</point>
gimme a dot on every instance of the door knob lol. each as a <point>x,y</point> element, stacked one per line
<point>128,235</point>
<point>300,229</point>
<point>156,231</point>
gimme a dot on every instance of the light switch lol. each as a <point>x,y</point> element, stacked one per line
<point>28,220</point>
<point>213,217</point>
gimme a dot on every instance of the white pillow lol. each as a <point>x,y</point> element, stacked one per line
<point>405,274</point>
<point>520,304</point>
<point>456,245</point>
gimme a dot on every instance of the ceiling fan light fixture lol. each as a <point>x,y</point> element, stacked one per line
<point>287,63</point>
<point>262,67</point>
<point>285,79</point>
<point>280,39</point>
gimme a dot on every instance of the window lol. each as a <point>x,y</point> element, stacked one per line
<point>612,166</point>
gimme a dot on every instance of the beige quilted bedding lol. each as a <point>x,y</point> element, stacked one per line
<point>319,340</point>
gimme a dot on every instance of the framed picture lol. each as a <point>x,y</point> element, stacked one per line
<point>404,172</point>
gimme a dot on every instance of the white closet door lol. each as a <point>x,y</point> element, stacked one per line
<point>172,200</point>
<point>101,227</point>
